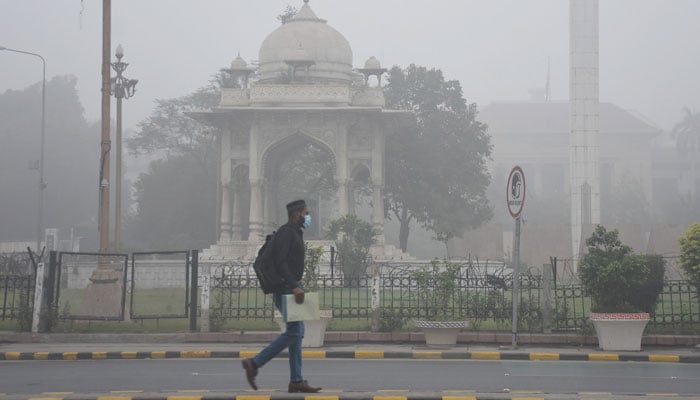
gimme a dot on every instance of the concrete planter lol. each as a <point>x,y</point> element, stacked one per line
<point>440,333</point>
<point>621,331</point>
<point>314,331</point>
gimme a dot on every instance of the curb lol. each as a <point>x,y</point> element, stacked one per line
<point>356,354</point>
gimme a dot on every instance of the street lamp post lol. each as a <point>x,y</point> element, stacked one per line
<point>42,184</point>
<point>121,88</point>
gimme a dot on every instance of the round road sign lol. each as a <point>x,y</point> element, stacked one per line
<point>515,192</point>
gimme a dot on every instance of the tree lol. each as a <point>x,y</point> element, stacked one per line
<point>435,169</point>
<point>690,254</point>
<point>288,13</point>
<point>176,203</point>
<point>71,162</point>
<point>170,131</point>
<point>176,198</point>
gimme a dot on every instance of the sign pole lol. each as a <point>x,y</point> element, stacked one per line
<point>515,199</point>
<point>516,282</point>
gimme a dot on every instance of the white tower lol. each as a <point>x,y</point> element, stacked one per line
<point>583,140</point>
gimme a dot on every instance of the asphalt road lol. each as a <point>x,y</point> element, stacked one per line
<point>25,377</point>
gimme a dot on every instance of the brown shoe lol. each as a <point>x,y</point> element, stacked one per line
<point>251,371</point>
<point>302,387</point>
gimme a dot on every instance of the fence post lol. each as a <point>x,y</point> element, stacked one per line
<point>193,290</point>
<point>38,297</point>
<point>206,290</point>
<point>376,288</point>
<point>546,298</point>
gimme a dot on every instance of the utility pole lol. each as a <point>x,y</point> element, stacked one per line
<point>105,145</point>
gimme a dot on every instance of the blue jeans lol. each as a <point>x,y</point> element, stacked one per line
<point>290,339</point>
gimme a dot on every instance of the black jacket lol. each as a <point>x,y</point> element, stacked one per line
<point>289,252</point>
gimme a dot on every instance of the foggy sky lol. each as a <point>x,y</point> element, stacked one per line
<point>498,49</point>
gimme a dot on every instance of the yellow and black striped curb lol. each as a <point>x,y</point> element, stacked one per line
<point>336,395</point>
<point>356,354</point>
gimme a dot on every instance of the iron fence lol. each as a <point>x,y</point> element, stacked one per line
<point>235,293</point>
<point>571,307</point>
<point>17,282</point>
<point>17,295</point>
<point>678,307</point>
<point>159,285</point>
<point>483,296</point>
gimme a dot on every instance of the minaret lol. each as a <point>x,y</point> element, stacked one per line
<point>583,139</point>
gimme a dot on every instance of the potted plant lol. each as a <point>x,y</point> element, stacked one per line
<point>624,289</point>
<point>437,293</point>
<point>314,331</point>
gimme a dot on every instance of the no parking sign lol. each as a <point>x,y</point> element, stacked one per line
<point>515,192</point>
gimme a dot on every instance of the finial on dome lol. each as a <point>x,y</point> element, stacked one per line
<point>306,1</point>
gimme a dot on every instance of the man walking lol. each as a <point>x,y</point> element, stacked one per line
<point>288,251</point>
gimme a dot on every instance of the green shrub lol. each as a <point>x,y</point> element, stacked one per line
<point>616,279</point>
<point>391,320</point>
<point>438,290</point>
<point>690,254</point>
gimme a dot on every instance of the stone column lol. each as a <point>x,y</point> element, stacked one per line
<point>378,181</point>
<point>378,211</point>
<point>584,119</point>
<point>225,232</point>
<point>268,223</point>
<point>256,198</point>
<point>342,172</point>
<point>225,173</point>
<point>236,226</point>
<point>256,211</point>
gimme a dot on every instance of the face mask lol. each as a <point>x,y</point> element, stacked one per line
<point>307,221</point>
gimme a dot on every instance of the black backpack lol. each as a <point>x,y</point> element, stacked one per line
<point>264,266</point>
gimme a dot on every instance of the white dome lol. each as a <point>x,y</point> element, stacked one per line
<point>239,64</point>
<point>373,63</point>
<point>311,36</point>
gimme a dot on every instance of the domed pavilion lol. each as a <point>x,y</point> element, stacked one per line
<point>304,98</point>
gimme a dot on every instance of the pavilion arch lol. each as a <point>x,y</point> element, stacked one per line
<point>287,145</point>
<point>298,166</point>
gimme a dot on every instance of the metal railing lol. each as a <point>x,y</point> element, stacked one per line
<point>17,281</point>
<point>483,297</point>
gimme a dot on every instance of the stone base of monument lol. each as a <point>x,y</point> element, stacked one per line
<point>103,296</point>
